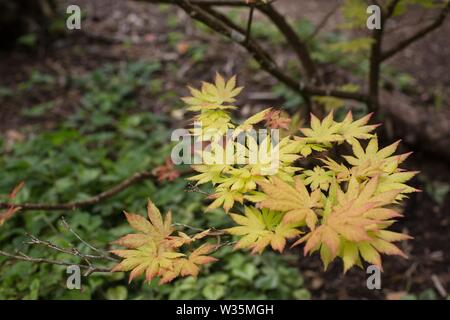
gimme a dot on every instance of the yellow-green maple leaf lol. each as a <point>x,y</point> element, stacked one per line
<point>356,129</point>
<point>213,96</point>
<point>260,229</point>
<point>325,131</point>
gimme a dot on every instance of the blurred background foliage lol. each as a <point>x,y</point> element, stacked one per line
<point>105,141</point>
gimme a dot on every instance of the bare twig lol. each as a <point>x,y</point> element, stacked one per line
<point>322,23</point>
<point>23,257</point>
<point>100,252</point>
<point>418,35</point>
<point>86,257</point>
<point>438,285</point>
<point>193,188</point>
<point>293,40</point>
<point>196,9</point>
<point>135,178</point>
<point>71,251</point>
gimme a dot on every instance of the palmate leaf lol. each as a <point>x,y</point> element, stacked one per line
<point>213,96</point>
<point>354,227</point>
<point>153,251</point>
<point>250,122</point>
<point>372,161</point>
<point>317,178</point>
<point>261,228</point>
<point>225,198</point>
<point>329,131</point>
<point>356,129</point>
<point>325,131</point>
<point>295,201</point>
<point>191,265</point>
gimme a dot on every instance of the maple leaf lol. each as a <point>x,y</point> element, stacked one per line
<point>342,173</point>
<point>213,123</point>
<point>209,173</point>
<point>384,157</point>
<point>274,120</point>
<point>213,96</point>
<point>325,131</point>
<point>372,161</point>
<point>166,171</point>
<point>352,130</point>
<point>262,228</point>
<point>241,179</point>
<point>183,238</point>
<point>12,209</point>
<point>353,227</point>
<point>250,122</point>
<point>317,178</point>
<point>295,200</point>
<point>396,181</point>
<point>8,214</point>
<point>226,198</point>
<point>272,158</point>
<point>153,250</point>
<point>197,258</point>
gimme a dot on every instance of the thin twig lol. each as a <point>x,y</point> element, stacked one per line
<point>322,23</point>
<point>100,252</point>
<point>418,35</point>
<point>193,188</point>
<point>292,38</point>
<point>72,251</point>
<point>196,9</point>
<point>135,178</point>
<point>24,257</point>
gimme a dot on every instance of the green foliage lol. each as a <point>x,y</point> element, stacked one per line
<point>110,137</point>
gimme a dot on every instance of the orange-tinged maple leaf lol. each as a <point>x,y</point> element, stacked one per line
<point>354,226</point>
<point>198,257</point>
<point>274,120</point>
<point>295,200</point>
<point>153,250</point>
<point>12,209</point>
<point>166,171</point>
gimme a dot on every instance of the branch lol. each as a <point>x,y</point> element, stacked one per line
<point>102,253</point>
<point>135,178</point>
<point>375,57</point>
<point>293,40</point>
<point>419,34</point>
<point>23,257</point>
<point>250,21</point>
<point>89,266</point>
<point>224,3</point>
<point>200,13</point>
<point>323,22</point>
<point>51,245</point>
